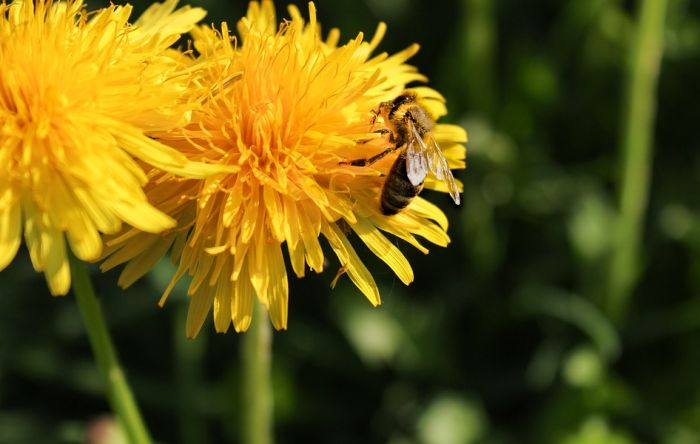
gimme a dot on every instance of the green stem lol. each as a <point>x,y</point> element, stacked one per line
<point>257,386</point>
<point>637,135</point>
<point>118,390</point>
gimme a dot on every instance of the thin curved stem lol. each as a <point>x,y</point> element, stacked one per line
<point>117,389</point>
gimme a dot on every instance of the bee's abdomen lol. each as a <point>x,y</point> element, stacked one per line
<point>398,191</point>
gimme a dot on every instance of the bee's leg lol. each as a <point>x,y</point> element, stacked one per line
<point>375,114</point>
<point>379,131</point>
<point>341,271</point>
<point>371,160</point>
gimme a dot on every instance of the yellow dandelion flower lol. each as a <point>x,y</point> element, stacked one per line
<point>288,108</point>
<point>77,93</point>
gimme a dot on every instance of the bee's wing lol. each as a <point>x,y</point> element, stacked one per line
<point>416,158</point>
<point>439,167</point>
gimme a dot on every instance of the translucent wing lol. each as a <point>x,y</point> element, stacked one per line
<point>416,158</point>
<point>429,159</point>
<point>439,167</point>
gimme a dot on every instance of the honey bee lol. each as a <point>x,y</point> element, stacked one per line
<point>409,127</point>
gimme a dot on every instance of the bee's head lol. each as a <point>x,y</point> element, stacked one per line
<point>388,108</point>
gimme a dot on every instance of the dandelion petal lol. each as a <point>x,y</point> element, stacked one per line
<point>10,233</point>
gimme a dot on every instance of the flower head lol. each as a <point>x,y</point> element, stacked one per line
<point>287,108</point>
<point>78,91</point>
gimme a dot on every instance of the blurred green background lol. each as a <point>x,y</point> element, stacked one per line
<point>504,336</point>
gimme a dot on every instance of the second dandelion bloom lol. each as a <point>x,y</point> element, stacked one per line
<point>287,107</point>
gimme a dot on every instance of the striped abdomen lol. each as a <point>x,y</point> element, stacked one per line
<point>398,191</point>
